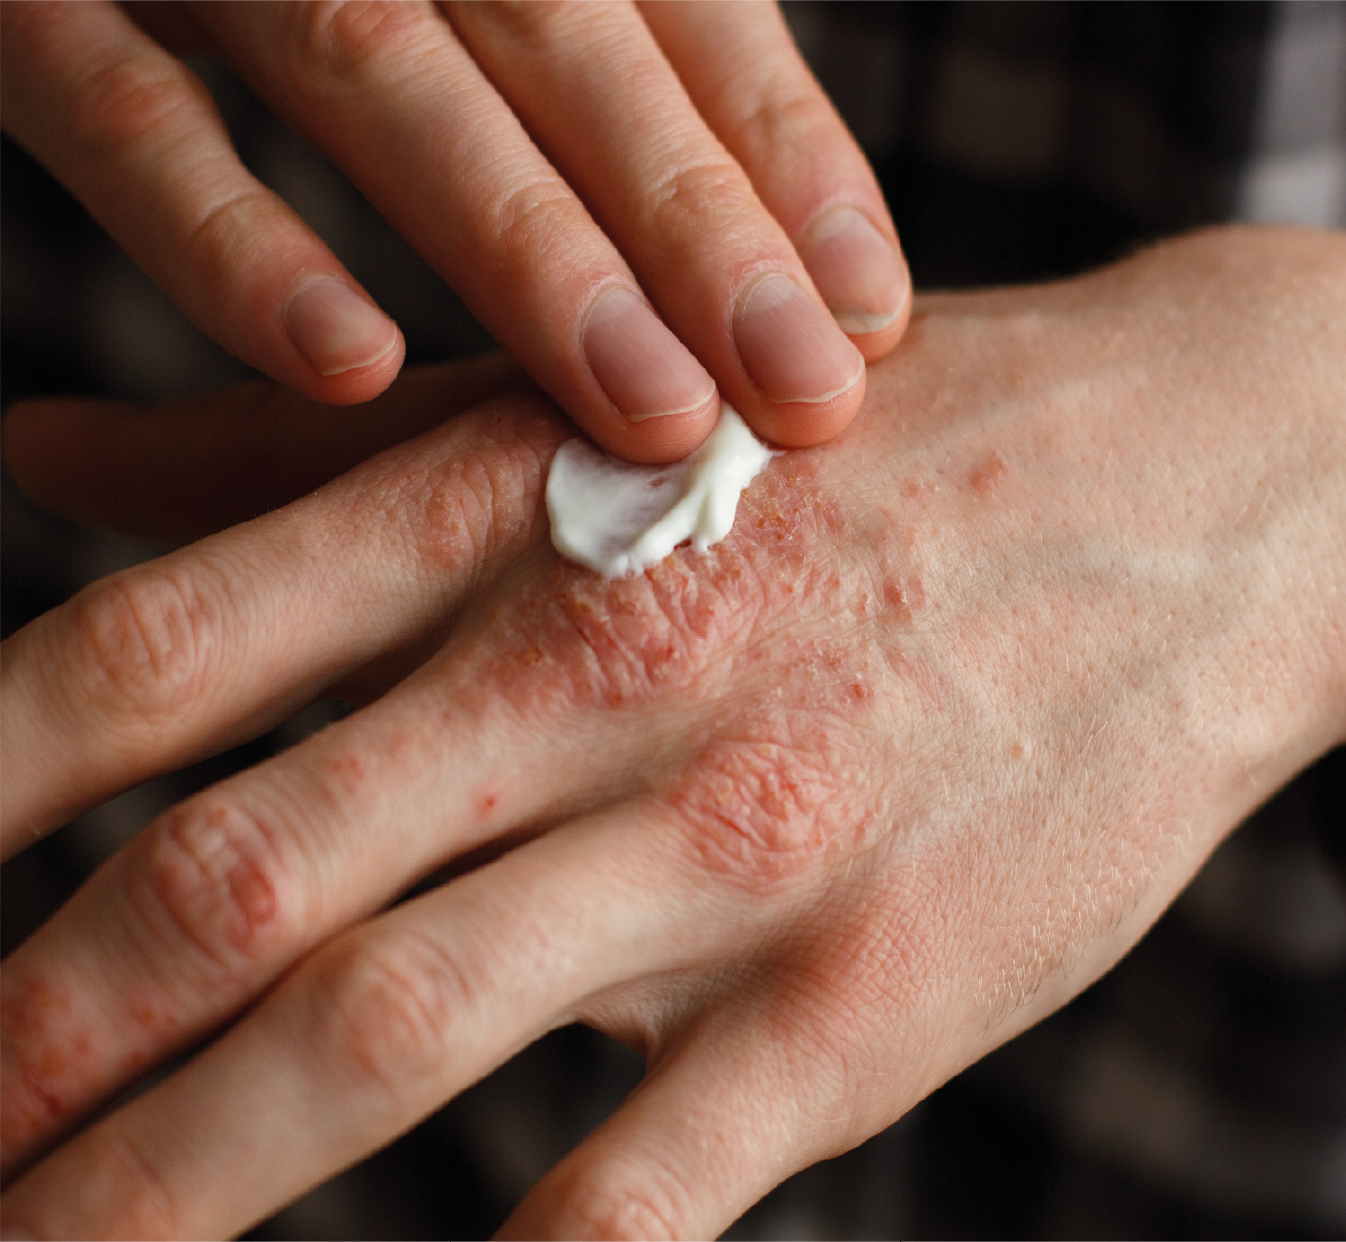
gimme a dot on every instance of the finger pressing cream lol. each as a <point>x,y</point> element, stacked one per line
<point>619,519</point>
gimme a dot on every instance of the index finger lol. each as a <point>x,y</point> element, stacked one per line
<point>183,656</point>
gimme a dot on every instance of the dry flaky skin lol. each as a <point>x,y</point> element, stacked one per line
<point>814,819</point>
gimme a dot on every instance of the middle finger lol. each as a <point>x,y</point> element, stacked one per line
<point>150,669</point>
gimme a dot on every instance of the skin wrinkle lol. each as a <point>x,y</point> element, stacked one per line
<point>621,644</point>
<point>463,509</point>
<point>124,105</point>
<point>154,1211</point>
<point>684,202</point>
<point>214,869</point>
<point>531,28</point>
<point>536,221</point>
<point>388,1010</point>
<point>779,122</point>
<point>166,1007</point>
<point>44,1042</point>
<point>759,811</point>
<point>223,231</point>
<point>150,637</point>
<point>347,48</point>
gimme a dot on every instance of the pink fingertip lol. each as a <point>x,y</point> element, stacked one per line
<point>857,271</point>
<point>790,346</point>
<point>644,369</point>
<point>335,328</point>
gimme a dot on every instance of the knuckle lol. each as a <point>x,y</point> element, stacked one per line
<point>763,808</point>
<point>223,229</point>
<point>383,1011</point>
<point>587,642</point>
<point>43,1041</point>
<point>570,639</point>
<point>214,877</point>
<point>701,200</point>
<point>145,640</point>
<point>140,1198</point>
<point>475,497</point>
<point>602,1210</point>
<point>346,42</point>
<point>128,101</point>
<point>537,219</point>
<point>531,24</point>
<point>784,120</point>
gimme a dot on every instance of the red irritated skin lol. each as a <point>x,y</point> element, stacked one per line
<point>813,820</point>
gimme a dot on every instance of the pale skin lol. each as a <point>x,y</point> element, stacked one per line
<point>812,821</point>
<point>648,206</point>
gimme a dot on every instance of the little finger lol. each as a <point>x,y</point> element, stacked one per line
<point>728,1113</point>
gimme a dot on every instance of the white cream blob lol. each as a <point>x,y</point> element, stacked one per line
<point>619,519</point>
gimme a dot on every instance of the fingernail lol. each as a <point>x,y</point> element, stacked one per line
<point>790,346</point>
<point>644,369</point>
<point>335,328</point>
<point>855,268</point>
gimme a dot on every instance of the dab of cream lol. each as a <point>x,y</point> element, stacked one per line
<point>619,519</point>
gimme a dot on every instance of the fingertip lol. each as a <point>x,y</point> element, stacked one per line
<point>656,441</point>
<point>878,342</point>
<point>652,379</point>
<point>861,274</point>
<point>353,351</point>
<point>360,384</point>
<point>807,424</point>
<point>45,446</point>
<point>790,348</point>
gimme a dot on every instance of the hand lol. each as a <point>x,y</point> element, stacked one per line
<point>813,821</point>
<point>691,209</point>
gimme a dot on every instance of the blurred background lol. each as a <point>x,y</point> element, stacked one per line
<point>1197,1091</point>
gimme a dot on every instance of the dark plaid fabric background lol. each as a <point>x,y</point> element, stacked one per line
<point>1197,1091</point>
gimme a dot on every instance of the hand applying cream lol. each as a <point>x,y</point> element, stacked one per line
<point>619,519</point>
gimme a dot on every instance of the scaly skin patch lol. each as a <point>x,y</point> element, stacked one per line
<point>47,1049</point>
